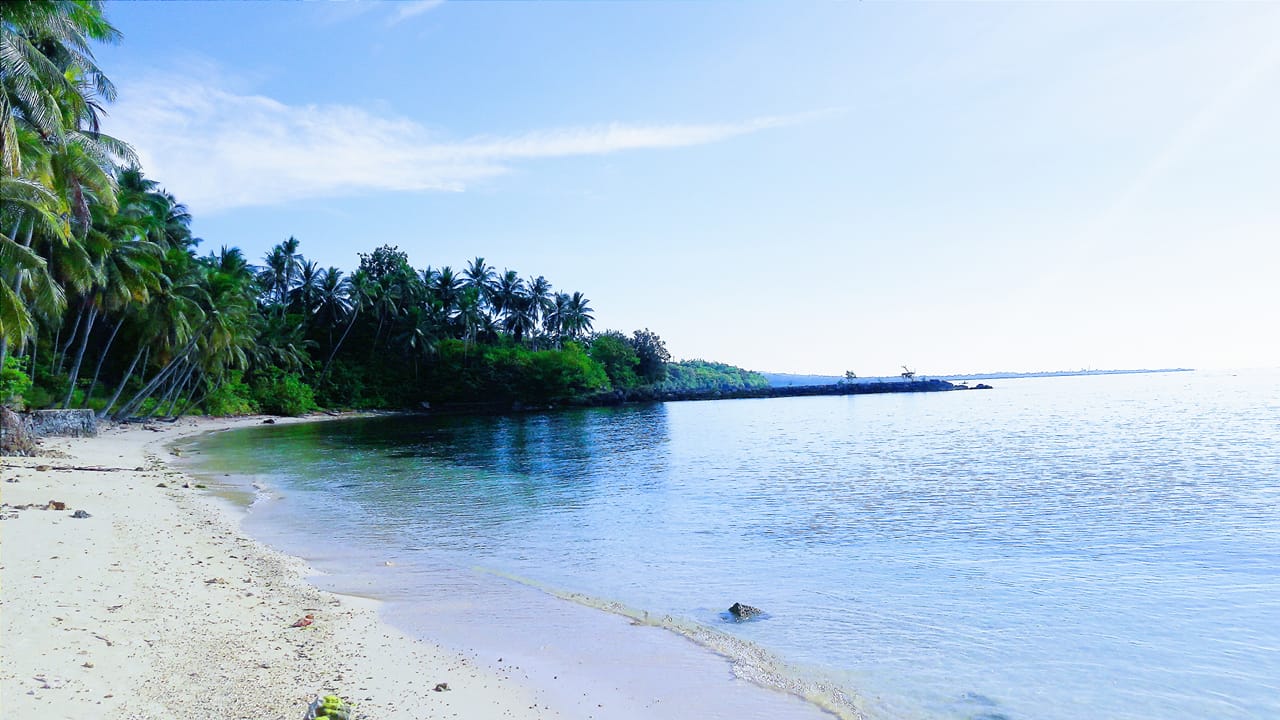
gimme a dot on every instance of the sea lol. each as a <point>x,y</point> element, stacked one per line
<point>1053,548</point>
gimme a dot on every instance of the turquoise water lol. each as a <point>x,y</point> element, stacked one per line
<point>1054,548</point>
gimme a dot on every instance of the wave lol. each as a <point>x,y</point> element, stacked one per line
<point>749,661</point>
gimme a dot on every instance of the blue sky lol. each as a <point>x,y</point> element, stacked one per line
<point>803,187</point>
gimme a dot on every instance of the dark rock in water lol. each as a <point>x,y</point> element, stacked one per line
<point>982,386</point>
<point>81,514</point>
<point>269,421</point>
<point>744,612</point>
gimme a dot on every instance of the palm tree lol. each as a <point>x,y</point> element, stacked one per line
<point>508,291</point>
<point>446,288</point>
<point>541,300</point>
<point>333,301</point>
<point>25,280</point>
<point>521,318</point>
<point>578,317</point>
<point>553,320</point>
<point>360,291</point>
<point>279,274</point>
<point>480,277</point>
<point>51,81</point>
<point>306,293</point>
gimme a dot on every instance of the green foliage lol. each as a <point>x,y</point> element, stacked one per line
<point>614,353</point>
<point>702,376</point>
<point>14,383</point>
<point>37,397</point>
<point>558,375</point>
<point>281,393</point>
<point>232,397</point>
<point>330,707</point>
<point>511,373</point>
<point>653,356</point>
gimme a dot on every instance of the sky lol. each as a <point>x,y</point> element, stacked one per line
<point>808,187</point>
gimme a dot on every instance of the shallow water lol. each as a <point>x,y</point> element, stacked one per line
<point>1054,548</point>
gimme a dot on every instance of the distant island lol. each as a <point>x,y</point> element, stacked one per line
<point>795,380</point>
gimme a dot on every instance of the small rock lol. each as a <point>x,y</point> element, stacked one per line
<point>744,612</point>
<point>43,468</point>
<point>81,514</point>
<point>161,485</point>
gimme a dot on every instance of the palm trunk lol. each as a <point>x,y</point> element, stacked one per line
<point>165,373</point>
<point>62,354</point>
<point>188,381</point>
<point>75,367</point>
<point>123,381</point>
<point>175,387</point>
<point>191,394</point>
<point>101,357</point>
<point>323,373</point>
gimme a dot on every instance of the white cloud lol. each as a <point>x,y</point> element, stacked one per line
<point>413,8</point>
<point>217,149</point>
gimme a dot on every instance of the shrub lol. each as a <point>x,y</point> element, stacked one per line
<point>13,381</point>
<point>233,397</point>
<point>280,393</point>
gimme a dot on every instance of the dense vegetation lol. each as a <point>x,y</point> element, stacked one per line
<point>106,302</point>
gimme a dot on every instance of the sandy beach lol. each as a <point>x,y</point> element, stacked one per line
<point>156,605</point>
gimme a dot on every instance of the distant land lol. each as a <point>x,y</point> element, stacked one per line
<point>792,380</point>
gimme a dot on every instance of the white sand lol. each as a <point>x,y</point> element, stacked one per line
<point>158,606</point>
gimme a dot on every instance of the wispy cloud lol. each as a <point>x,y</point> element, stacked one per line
<point>218,149</point>
<point>413,8</point>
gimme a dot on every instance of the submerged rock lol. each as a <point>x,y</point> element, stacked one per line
<point>744,612</point>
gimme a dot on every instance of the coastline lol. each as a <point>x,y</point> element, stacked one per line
<point>158,605</point>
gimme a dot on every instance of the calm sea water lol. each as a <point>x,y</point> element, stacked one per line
<point>1055,548</point>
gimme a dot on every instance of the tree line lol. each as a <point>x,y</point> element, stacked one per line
<point>106,302</point>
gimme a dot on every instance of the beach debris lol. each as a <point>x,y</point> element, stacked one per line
<point>441,687</point>
<point>56,505</point>
<point>304,621</point>
<point>81,514</point>
<point>216,581</point>
<point>43,468</point>
<point>11,479</point>
<point>744,612</point>
<point>113,608</point>
<point>161,485</point>
<point>330,707</point>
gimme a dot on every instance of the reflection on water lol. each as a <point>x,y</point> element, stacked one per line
<point>1105,546</point>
